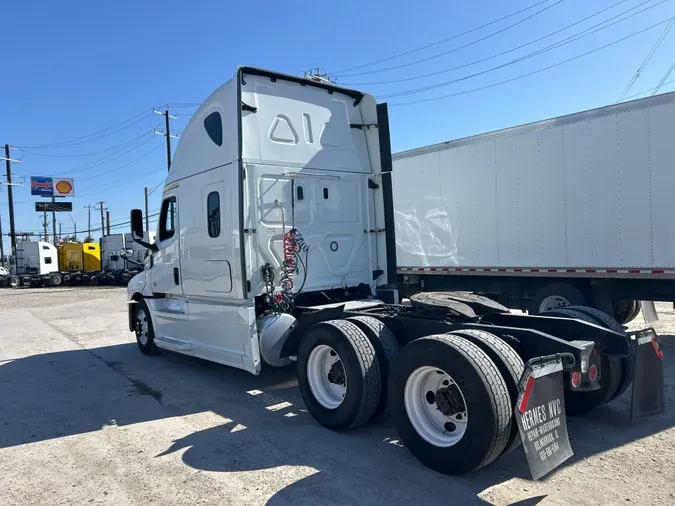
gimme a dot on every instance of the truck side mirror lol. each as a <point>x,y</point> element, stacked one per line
<point>136,220</point>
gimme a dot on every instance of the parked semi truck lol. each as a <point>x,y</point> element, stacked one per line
<point>572,210</point>
<point>276,243</point>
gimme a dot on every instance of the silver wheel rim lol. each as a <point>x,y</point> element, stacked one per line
<point>426,395</point>
<point>142,327</point>
<point>553,302</point>
<point>326,376</point>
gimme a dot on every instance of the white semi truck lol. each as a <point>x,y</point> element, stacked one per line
<point>573,210</point>
<point>276,243</point>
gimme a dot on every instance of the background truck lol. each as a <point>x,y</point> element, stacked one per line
<point>567,211</point>
<point>37,263</point>
<point>276,243</point>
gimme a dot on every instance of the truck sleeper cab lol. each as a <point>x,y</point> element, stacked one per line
<point>274,237</point>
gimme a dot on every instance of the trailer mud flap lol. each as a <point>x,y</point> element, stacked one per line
<point>648,394</point>
<point>540,414</point>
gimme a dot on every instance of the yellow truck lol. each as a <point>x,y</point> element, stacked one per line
<point>81,257</point>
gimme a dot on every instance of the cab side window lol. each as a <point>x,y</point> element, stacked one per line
<point>167,219</point>
<point>213,214</point>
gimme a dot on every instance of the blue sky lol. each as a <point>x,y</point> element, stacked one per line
<point>75,68</point>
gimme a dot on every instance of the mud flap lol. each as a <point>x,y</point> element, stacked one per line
<point>540,414</point>
<point>648,394</point>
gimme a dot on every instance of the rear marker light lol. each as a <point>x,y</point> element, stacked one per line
<point>593,373</point>
<point>576,379</point>
<point>659,353</point>
<point>526,395</point>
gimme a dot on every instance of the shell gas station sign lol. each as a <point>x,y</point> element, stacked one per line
<point>52,186</point>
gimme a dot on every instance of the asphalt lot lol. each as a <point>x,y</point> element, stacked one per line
<point>85,418</point>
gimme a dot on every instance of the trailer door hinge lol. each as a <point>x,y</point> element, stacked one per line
<point>361,126</point>
<point>246,107</point>
<point>372,184</point>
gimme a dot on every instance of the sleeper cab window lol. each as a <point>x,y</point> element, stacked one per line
<point>167,219</point>
<point>213,214</point>
<point>48,260</point>
<point>213,124</point>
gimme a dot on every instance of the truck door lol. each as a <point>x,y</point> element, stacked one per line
<point>166,275</point>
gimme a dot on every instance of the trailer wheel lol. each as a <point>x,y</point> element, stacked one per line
<point>56,279</point>
<point>68,279</point>
<point>338,375</point>
<point>580,403</point>
<point>94,281</point>
<point>625,310</point>
<point>14,281</point>
<point>145,332</point>
<point>628,363</point>
<point>386,348</point>
<point>554,296</point>
<point>510,366</point>
<point>86,279</point>
<point>449,403</point>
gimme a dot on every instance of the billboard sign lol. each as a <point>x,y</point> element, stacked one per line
<point>52,186</point>
<point>66,207</point>
<point>41,186</point>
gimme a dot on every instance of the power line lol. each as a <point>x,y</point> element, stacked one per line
<point>646,60</point>
<point>121,166</point>
<point>86,138</point>
<point>556,45</point>
<point>665,76</point>
<point>82,155</point>
<point>453,50</point>
<point>438,41</point>
<point>534,41</point>
<point>534,71</point>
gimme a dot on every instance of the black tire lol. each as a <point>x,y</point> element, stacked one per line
<point>361,369</point>
<point>94,280</point>
<point>484,392</point>
<point>142,315</point>
<point>510,366</point>
<point>56,279</point>
<point>14,281</point>
<point>628,363</point>
<point>386,348</point>
<point>77,279</point>
<point>580,403</point>
<point>86,279</point>
<point>625,310</point>
<point>567,292</point>
<point>635,312</point>
<point>68,279</point>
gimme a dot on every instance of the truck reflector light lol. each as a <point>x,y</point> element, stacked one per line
<point>576,379</point>
<point>526,395</point>
<point>655,345</point>
<point>593,373</point>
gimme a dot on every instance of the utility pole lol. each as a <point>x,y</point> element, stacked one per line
<point>59,233</point>
<point>88,220</point>
<point>44,223</point>
<point>2,246</point>
<point>107,221</point>
<point>55,240</point>
<point>147,224</point>
<point>101,208</point>
<point>166,133</point>
<point>10,199</point>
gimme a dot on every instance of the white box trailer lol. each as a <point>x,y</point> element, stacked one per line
<point>275,243</point>
<point>575,209</point>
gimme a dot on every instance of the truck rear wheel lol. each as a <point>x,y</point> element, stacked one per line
<point>580,403</point>
<point>386,348</point>
<point>625,310</point>
<point>339,375</point>
<point>449,403</point>
<point>14,281</point>
<point>628,363</point>
<point>56,279</point>
<point>554,296</point>
<point>510,366</point>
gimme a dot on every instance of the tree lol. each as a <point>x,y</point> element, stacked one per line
<point>89,239</point>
